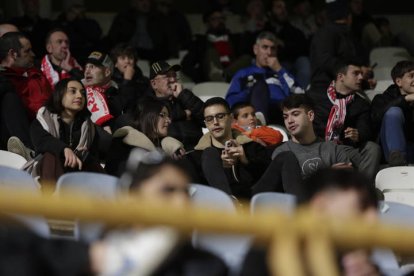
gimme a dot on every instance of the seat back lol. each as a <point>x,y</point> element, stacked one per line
<point>12,160</point>
<point>281,201</point>
<point>395,178</point>
<point>207,90</point>
<point>231,248</point>
<point>388,56</point>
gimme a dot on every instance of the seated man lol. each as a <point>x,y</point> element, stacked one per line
<point>312,152</point>
<point>186,109</point>
<point>346,119</point>
<point>236,164</point>
<point>265,83</point>
<point>58,63</point>
<point>339,194</point>
<point>105,101</point>
<point>245,120</point>
<point>392,115</point>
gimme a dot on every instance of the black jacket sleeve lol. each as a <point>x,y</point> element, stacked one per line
<point>193,103</point>
<point>43,141</point>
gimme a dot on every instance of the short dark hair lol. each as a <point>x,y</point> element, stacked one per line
<point>10,41</point>
<point>341,179</point>
<point>146,116</point>
<point>123,49</point>
<point>342,67</point>
<point>401,68</point>
<point>54,103</point>
<point>235,109</point>
<point>54,30</point>
<point>217,101</point>
<point>296,101</point>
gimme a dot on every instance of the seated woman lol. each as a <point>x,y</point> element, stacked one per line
<point>147,131</point>
<point>64,134</point>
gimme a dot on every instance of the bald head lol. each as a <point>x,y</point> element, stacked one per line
<point>7,28</point>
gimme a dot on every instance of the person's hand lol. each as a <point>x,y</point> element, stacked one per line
<point>358,263</point>
<point>236,152</point>
<point>178,154</point>
<point>176,89</point>
<point>129,72</point>
<point>368,76</point>
<point>65,64</point>
<point>409,98</point>
<point>71,160</point>
<point>352,133</point>
<point>273,63</point>
<point>188,114</point>
<point>342,165</point>
<point>228,161</point>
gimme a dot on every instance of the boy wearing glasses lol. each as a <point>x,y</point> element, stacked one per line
<point>235,164</point>
<point>186,108</point>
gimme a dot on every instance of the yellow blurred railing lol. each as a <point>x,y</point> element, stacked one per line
<point>283,234</point>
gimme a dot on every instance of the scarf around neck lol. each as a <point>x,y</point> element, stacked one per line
<point>97,103</point>
<point>54,76</point>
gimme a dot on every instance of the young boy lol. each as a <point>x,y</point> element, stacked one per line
<point>245,120</point>
<point>392,114</point>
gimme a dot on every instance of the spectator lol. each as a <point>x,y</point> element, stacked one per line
<point>303,18</point>
<point>392,116</point>
<point>33,26</point>
<point>293,49</point>
<point>312,152</point>
<point>64,134</point>
<point>347,121</point>
<point>145,29</point>
<point>105,101</point>
<point>245,121</point>
<point>236,164</point>
<point>265,83</point>
<point>84,33</point>
<point>148,131</point>
<point>185,107</point>
<point>58,63</point>
<point>127,73</point>
<point>214,56</point>
<point>337,194</point>
<point>7,28</point>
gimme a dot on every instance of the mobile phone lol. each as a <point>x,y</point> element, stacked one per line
<point>228,144</point>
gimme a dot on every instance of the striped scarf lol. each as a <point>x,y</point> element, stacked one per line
<point>337,115</point>
<point>54,76</point>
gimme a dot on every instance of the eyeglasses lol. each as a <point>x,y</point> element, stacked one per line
<point>219,117</point>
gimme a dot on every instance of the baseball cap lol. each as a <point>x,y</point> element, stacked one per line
<point>162,67</point>
<point>100,59</point>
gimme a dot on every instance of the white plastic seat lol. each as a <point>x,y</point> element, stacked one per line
<point>395,178</point>
<point>231,248</point>
<point>281,201</point>
<point>388,56</point>
<point>207,90</point>
<point>12,160</point>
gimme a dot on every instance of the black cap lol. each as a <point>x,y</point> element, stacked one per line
<point>100,59</point>
<point>162,67</point>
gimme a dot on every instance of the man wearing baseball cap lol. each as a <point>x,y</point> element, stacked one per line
<point>186,108</point>
<point>105,101</point>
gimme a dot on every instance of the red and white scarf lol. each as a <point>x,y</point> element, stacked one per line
<point>337,115</point>
<point>54,76</point>
<point>97,104</point>
<point>222,46</point>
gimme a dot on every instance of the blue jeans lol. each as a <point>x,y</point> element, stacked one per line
<point>393,136</point>
<point>301,69</point>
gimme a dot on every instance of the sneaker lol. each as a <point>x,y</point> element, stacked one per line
<point>15,145</point>
<point>397,158</point>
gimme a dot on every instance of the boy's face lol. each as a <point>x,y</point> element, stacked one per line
<point>246,117</point>
<point>406,82</point>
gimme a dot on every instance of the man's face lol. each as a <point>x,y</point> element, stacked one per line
<point>25,56</point>
<point>279,10</point>
<point>216,21</point>
<point>298,121</point>
<point>264,49</point>
<point>161,84</point>
<point>96,75</point>
<point>58,45</point>
<point>406,83</point>
<point>247,117</point>
<point>218,122</point>
<point>350,81</point>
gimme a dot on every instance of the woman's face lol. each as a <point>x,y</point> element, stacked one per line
<point>167,185</point>
<point>73,99</point>
<point>163,122</point>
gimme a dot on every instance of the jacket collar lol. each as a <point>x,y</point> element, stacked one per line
<point>206,140</point>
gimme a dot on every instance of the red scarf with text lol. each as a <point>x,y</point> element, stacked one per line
<point>97,104</point>
<point>54,76</point>
<point>337,115</point>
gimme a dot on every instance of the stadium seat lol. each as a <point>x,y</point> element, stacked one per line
<point>231,248</point>
<point>281,201</point>
<point>388,56</point>
<point>12,160</point>
<point>144,66</point>
<point>395,178</point>
<point>207,90</point>
<point>20,180</point>
<point>91,184</point>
